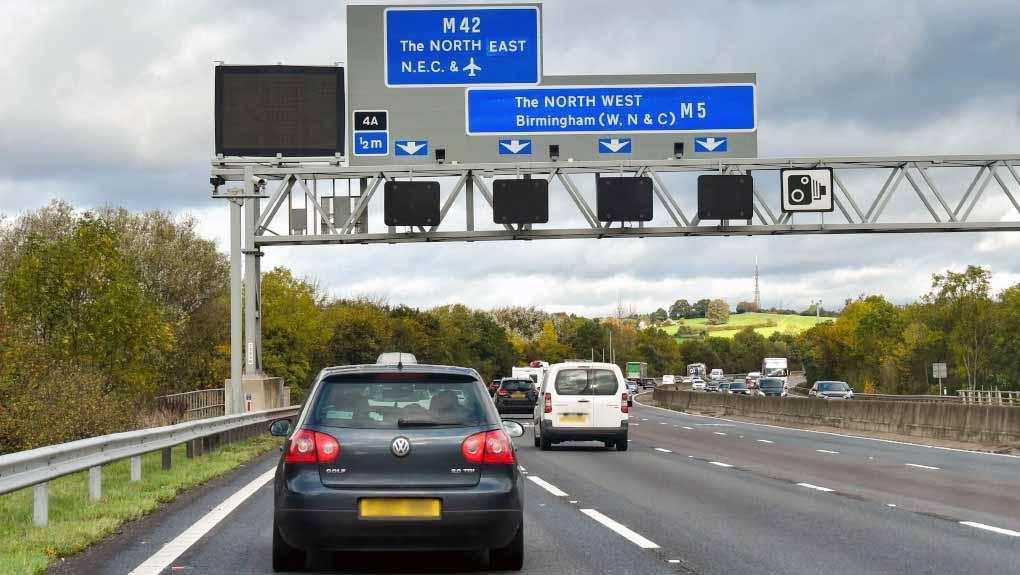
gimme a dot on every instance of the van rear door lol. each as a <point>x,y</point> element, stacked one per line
<point>572,401</point>
<point>607,393</point>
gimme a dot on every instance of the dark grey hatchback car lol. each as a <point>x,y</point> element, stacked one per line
<point>387,458</point>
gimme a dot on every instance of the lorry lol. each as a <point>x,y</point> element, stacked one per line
<point>696,370</point>
<point>535,372</point>
<point>637,370</point>
<point>775,367</point>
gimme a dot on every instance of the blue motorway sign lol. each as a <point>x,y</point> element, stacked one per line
<point>462,46</point>
<point>602,109</point>
<point>371,143</point>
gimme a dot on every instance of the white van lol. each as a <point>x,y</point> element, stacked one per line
<point>716,374</point>
<point>582,401</point>
<point>668,380</point>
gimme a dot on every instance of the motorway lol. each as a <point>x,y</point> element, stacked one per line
<point>692,495</point>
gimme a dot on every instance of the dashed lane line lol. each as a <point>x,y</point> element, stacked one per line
<point>720,464</point>
<point>547,486</point>
<point>827,451</point>
<point>816,487</point>
<point>919,466</point>
<point>765,441</point>
<point>991,528</point>
<point>663,450</point>
<point>621,530</point>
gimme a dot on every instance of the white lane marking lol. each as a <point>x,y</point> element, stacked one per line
<point>522,468</point>
<point>827,451</point>
<point>919,466</point>
<point>547,486</point>
<point>998,530</point>
<point>644,419</point>
<point>175,548</point>
<point>765,441</point>
<point>720,464</point>
<point>573,501</point>
<point>688,428</point>
<point>816,487</point>
<point>890,505</point>
<point>674,560</point>
<point>718,433</point>
<point>620,529</point>
<point>635,424</point>
<point>663,450</point>
<point>893,441</point>
<point>663,423</point>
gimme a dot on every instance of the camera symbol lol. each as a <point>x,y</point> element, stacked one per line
<point>804,190</point>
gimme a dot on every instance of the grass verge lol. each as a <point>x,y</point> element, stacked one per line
<point>75,522</point>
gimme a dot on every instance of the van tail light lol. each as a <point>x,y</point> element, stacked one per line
<point>488,447</point>
<point>312,447</point>
<point>623,403</point>
<point>548,403</point>
<point>503,392</point>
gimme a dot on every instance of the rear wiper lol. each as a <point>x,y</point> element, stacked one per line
<point>426,423</point>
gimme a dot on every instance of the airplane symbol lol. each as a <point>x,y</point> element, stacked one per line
<point>472,67</point>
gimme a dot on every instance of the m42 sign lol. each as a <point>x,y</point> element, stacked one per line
<point>461,46</point>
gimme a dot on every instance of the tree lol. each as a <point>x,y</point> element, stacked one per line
<point>680,309</point>
<point>293,331</point>
<point>659,316</point>
<point>700,308</point>
<point>548,346</point>
<point>967,311</point>
<point>746,307</point>
<point>718,312</point>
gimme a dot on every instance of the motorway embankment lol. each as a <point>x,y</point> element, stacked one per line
<point>992,427</point>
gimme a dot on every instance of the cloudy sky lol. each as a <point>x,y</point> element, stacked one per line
<point>111,103</point>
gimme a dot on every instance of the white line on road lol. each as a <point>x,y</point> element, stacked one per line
<point>890,505</point>
<point>547,486</point>
<point>663,423</point>
<point>663,450</point>
<point>718,433</point>
<point>816,487</point>
<point>919,466</point>
<point>171,551</point>
<point>688,428</point>
<point>644,419</point>
<point>827,451</point>
<point>720,464</point>
<point>765,441</point>
<point>620,529</point>
<point>998,530</point>
<point>834,434</point>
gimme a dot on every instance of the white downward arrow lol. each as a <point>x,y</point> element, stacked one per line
<point>711,144</point>
<point>615,145</point>
<point>514,146</point>
<point>411,147</point>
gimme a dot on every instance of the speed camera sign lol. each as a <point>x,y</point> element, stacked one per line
<point>807,190</point>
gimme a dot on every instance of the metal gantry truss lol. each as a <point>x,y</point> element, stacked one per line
<point>275,181</point>
<point>286,177</point>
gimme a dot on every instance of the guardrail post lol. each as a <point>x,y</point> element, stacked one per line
<point>40,504</point>
<point>136,468</point>
<point>198,446</point>
<point>189,449</point>
<point>96,483</point>
<point>167,458</point>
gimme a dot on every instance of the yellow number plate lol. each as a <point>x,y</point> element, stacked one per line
<point>518,395</point>
<point>400,508</point>
<point>573,418</point>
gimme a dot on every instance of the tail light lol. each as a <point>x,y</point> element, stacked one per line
<point>312,447</point>
<point>548,403</point>
<point>488,447</point>
<point>623,404</point>
<point>503,392</point>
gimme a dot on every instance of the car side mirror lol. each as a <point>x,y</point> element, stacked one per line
<point>280,428</point>
<point>512,428</point>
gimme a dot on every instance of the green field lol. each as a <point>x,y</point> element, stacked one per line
<point>793,324</point>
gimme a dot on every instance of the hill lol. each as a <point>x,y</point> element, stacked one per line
<point>764,323</point>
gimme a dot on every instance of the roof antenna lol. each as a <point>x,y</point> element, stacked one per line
<point>400,361</point>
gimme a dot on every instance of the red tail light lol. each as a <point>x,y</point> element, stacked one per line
<point>488,447</point>
<point>548,403</point>
<point>623,404</point>
<point>312,447</point>
<point>503,392</point>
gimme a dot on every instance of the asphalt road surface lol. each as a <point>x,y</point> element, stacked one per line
<point>693,495</point>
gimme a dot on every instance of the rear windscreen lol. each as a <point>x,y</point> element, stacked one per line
<point>386,404</point>
<point>518,385</point>
<point>586,382</point>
